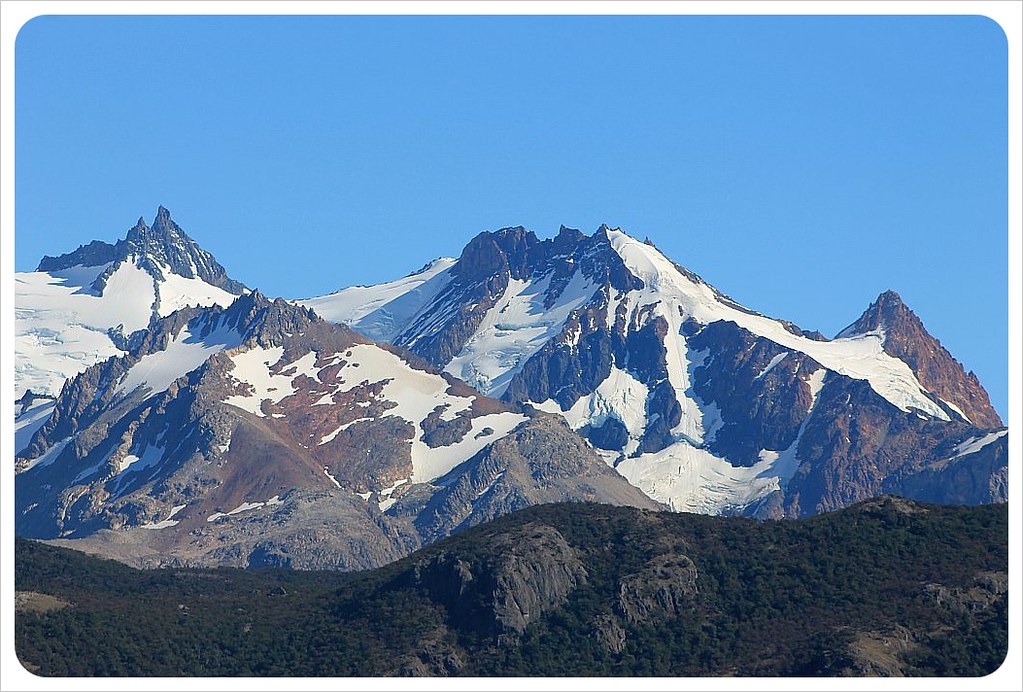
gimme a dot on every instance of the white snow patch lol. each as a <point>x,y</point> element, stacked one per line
<point>619,396</point>
<point>344,426</point>
<point>168,522</point>
<point>770,366</point>
<point>178,292</point>
<point>26,424</point>
<point>331,477</point>
<point>430,463</point>
<point>151,454</point>
<point>386,492</point>
<point>975,444</point>
<point>388,501</point>
<point>417,393</point>
<point>816,382</point>
<point>243,507</point>
<point>186,352</point>
<point>49,456</point>
<point>61,325</point>
<point>253,367</point>
<point>957,410</point>
<point>711,421</point>
<point>690,479</point>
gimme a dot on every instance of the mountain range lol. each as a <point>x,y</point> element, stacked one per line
<point>170,415</point>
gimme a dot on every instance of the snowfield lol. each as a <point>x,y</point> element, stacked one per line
<point>61,323</point>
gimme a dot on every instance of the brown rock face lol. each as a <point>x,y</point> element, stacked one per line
<point>908,340</point>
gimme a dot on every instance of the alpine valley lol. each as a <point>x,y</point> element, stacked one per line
<point>170,416</point>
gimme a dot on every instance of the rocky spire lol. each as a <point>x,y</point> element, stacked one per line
<point>905,337</point>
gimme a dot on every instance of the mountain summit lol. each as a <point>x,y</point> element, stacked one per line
<point>160,250</point>
<point>903,336</point>
<point>703,403</point>
<point>84,306</point>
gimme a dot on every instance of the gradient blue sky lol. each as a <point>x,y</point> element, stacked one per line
<point>802,165</point>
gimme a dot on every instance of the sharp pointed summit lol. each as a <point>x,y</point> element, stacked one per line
<point>93,299</point>
<point>904,336</point>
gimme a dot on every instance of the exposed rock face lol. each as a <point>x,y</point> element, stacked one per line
<point>610,633</point>
<point>881,654</point>
<point>981,595</point>
<point>665,588</point>
<point>94,254</point>
<point>762,390</point>
<point>540,462</point>
<point>906,338</point>
<point>958,479</point>
<point>529,572</point>
<point>488,266</point>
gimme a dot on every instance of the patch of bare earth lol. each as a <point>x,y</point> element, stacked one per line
<point>35,602</point>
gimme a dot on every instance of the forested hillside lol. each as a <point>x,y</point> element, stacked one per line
<point>886,587</point>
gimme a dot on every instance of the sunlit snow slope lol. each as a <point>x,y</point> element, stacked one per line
<point>77,309</point>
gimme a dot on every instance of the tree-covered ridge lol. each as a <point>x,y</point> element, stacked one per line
<point>886,587</point>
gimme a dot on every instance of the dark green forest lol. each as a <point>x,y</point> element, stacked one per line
<point>886,587</point>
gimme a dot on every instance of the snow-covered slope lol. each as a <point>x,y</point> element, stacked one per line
<point>378,311</point>
<point>80,308</point>
<point>697,400</point>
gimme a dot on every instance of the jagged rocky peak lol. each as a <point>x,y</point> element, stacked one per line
<point>482,257</point>
<point>95,254</point>
<point>519,253</point>
<point>904,336</point>
<point>267,323</point>
<point>887,313</point>
<point>157,249</point>
<point>166,246</point>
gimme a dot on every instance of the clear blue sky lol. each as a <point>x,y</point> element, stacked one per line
<point>802,165</point>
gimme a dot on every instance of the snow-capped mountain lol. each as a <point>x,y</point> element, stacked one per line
<point>173,421</point>
<point>82,307</point>
<point>262,434</point>
<point>702,403</point>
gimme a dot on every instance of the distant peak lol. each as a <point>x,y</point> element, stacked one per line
<point>511,230</point>
<point>165,224</point>
<point>163,247</point>
<point>889,297</point>
<point>888,312</point>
